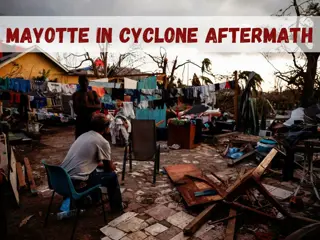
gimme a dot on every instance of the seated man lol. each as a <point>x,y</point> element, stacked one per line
<point>89,152</point>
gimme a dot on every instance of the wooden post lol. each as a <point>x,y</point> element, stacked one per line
<point>236,96</point>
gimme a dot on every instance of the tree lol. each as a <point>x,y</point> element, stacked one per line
<point>304,76</point>
<point>108,68</point>
<point>162,63</point>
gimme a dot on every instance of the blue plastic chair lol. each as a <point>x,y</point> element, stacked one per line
<point>60,182</point>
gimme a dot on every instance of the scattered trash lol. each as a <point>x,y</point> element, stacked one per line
<point>25,220</point>
<point>175,146</point>
<point>68,214</point>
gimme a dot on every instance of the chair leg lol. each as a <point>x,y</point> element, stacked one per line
<point>48,212</point>
<point>130,157</point>
<point>75,224</point>
<point>103,211</point>
<point>124,164</point>
<point>158,160</point>
<point>154,171</point>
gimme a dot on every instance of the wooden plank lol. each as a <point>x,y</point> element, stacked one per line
<point>13,177</point>
<point>31,181</point>
<point>197,222</point>
<point>253,210</point>
<point>224,135</point>
<point>239,186</point>
<point>258,172</point>
<point>187,192</point>
<point>240,159</point>
<point>21,176</point>
<point>231,225</point>
<point>270,198</point>
<point>177,172</point>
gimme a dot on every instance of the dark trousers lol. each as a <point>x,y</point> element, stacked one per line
<point>110,181</point>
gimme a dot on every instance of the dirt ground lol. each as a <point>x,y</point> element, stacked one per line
<point>137,189</point>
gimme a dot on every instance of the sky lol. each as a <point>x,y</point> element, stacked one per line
<point>221,63</point>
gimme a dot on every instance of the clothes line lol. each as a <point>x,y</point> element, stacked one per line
<point>24,85</point>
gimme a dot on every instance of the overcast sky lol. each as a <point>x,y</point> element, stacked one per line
<point>222,64</point>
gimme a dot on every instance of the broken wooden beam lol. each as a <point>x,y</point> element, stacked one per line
<point>197,222</point>
<point>253,210</point>
<point>231,227</point>
<point>21,177</point>
<point>219,136</point>
<point>30,178</point>
<point>266,162</point>
<point>240,159</point>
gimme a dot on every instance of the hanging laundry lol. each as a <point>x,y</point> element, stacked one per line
<point>217,87</point>
<point>12,97</point>
<point>54,87</point>
<point>222,85</point>
<point>117,94</point>
<point>128,110</point>
<point>106,99</point>
<point>5,96</point>
<point>38,85</point>
<point>100,91</point>
<point>158,104</point>
<point>17,98</point>
<point>135,97</point>
<point>130,84</point>
<point>49,102</point>
<point>232,84</point>
<point>4,83</point>
<point>23,106</point>
<point>143,104</point>
<point>19,85</point>
<point>39,102</point>
<point>68,89</point>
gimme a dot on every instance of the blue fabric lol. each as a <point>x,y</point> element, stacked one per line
<point>65,207</point>
<point>19,85</point>
<point>147,83</point>
<point>152,114</point>
<point>106,99</point>
<point>38,102</point>
<point>109,106</point>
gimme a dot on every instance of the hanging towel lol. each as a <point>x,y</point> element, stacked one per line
<point>117,94</point>
<point>128,110</point>
<point>4,83</point>
<point>68,89</point>
<point>100,91</point>
<point>211,88</point>
<point>232,84</point>
<point>217,87</point>
<point>54,87</point>
<point>222,85</point>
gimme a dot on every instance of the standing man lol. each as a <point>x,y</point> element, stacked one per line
<point>84,103</point>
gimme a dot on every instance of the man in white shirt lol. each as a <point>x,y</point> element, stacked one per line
<point>89,152</point>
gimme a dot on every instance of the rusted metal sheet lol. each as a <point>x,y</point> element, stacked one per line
<point>177,172</point>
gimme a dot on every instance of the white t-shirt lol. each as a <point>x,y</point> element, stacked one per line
<point>84,155</point>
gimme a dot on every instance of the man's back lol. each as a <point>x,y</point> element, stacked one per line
<point>85,154</point>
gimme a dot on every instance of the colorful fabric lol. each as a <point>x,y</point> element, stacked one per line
<point>100,91</point>
<point>4,83</point>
